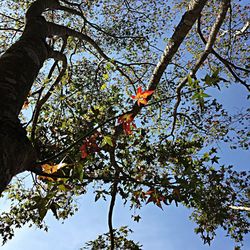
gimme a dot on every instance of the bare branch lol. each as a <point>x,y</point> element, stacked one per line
<point>243,30</point>
<point>58,56</point>
<point>181,31</point>
<point>227,63</point>
<point>10,29</point>
<point>113,198</point>
<point>240,208</point>
<point>70,3</point>
<point>211,40</point>
<point>59,30</point>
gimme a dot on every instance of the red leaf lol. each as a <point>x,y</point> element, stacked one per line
<point>83,150</point>
<point>126,121</point>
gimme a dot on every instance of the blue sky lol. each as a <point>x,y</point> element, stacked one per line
<point>158,230</point>
<point>169,229</point>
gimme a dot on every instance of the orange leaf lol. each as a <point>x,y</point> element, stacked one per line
<point>49,169</point>
<point>141,96</point>
<point>147,93</point>
<point>26,104</point>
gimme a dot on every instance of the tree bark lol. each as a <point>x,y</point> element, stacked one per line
<point>19,67</point>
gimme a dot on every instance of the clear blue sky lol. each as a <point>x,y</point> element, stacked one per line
<point>158,230</point>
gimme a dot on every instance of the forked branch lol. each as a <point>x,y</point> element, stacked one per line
<point>211,40</point>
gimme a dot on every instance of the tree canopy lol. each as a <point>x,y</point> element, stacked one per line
<point>123,96</point>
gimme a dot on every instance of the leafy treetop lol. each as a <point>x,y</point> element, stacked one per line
<point>131,112</point>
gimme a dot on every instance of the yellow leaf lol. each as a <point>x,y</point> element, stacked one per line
<point>49,169</point>
<point>105,76</point>
<point>107,140</point>
<point>104,86</point>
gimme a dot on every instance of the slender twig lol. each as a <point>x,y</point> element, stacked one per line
<point>90,132</point>
<point>57,56</point>
<point>190,120</point>
<point>227,63</point>
<point>12,18</point>
<point>211,40</point>
<point>10,29</point>
<point>240,208</point>
<point>95,26</point>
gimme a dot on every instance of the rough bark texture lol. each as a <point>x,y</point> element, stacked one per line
<point>19,67</point>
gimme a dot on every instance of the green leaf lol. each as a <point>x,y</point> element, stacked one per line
<point>104,86</point>
<point>137,218</point>
<point>190,80</point>
<point>215,159</point>
<point>97,197</point>
<point>108,66</point>
<point>107,140</point>
<point>105,76</point>
<point>195,96</point>
<point>62,188</point>
<point>204,95</point>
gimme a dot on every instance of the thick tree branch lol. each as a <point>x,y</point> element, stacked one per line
<point>110,215</point>
<point>59,30</point>
<point>227,63</point>
<point>39,6</point>
<point>19,67</point>
<point>211,40</point>
<point>181,31</point>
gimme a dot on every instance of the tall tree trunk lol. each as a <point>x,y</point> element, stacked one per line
<point>19,66</point>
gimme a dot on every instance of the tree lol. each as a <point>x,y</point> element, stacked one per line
<point>143,127</point>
